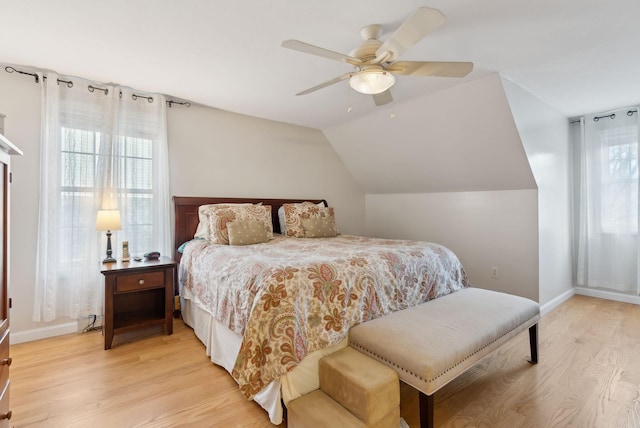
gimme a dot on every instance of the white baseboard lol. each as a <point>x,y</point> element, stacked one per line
<point>72,327</point>
<point>609,295</point>
<point>44,332</point>
<point>557,301</point>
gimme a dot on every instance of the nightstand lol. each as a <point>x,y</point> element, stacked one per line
<point>137,295</point>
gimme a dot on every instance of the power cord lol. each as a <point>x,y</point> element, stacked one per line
<point>92,325</point>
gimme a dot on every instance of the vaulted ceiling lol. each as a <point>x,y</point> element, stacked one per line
<point>578,56</point>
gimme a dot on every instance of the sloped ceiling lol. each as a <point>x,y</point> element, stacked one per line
<point>577,56</point>
<point>459,139</point>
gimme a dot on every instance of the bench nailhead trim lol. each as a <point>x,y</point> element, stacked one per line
<point>380,357</point>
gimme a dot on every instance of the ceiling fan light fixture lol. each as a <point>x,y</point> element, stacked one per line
<point>372,81</point>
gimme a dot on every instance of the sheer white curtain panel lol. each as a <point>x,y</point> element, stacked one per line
<point>606,163</point>
<point>99,149</point>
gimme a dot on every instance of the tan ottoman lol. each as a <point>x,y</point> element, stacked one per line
<point>368,389</point>
<point>318,410</point>
<point>355,391</point>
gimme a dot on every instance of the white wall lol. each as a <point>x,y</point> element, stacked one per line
<point>457,140</point>
<point>545,136</point>
<point>485,230</point>
<point>213,153</point>
<point>219,153</point>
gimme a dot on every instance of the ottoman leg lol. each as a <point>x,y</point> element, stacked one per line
<point>533,343</point>
<point>426,410</point>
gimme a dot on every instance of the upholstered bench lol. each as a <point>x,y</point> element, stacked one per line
<point>431,344</point>
<point>355,391</point>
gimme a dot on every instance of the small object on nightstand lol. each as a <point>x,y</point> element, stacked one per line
<point>152,255</point>
<point>137,258</point>
<point>125,251</point>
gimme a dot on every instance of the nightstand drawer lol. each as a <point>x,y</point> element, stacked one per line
<point>139,281</point>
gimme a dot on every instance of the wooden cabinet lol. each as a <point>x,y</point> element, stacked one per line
<point>7,149</point>
<point>136,295</point>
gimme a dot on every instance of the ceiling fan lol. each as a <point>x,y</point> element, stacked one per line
<point>375,61</point>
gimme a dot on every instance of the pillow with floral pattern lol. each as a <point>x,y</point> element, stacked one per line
<point>294,213</point>
<point>219,217</point>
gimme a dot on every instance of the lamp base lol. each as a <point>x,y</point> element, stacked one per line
<point>109,258</point>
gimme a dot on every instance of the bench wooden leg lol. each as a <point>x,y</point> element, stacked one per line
<point>533,343</point>
<point>426,410</point>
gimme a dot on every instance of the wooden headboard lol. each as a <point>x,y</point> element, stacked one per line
<point>186,213</point>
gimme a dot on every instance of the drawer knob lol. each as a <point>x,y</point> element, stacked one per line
<point>141,281</point>
<point>6,415</point>
<point>6,361</point>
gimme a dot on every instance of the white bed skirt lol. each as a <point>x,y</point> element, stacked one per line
<point>222,346</point>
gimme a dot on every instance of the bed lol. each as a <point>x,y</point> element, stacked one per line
<point>268,312</point>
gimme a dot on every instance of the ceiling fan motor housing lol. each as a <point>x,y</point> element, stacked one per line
<point>367,49</point>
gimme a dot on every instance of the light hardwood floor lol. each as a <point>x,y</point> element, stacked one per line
<point>588,376</point>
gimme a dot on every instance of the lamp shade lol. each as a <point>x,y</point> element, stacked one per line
<point>372,81</point>
<point>108,220</point>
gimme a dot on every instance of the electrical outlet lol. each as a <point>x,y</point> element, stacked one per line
<point>494,272</point>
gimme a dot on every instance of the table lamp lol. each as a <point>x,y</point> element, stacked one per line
<point>108,220</point>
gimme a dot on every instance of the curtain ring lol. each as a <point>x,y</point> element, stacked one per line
<point>135,97</point>
<point>93,88</point>
<point>68,82</point>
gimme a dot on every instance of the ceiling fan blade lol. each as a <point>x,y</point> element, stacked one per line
<point>325,84</point>
<point>421,23</point>
<point>382,98</point>
<point>297,45</point>
<point>431,68</point>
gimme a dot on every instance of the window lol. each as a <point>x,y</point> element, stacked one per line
<point>606,177</point>
<point>97,146</point>
<point>80,159</point>
<point>619,180</point>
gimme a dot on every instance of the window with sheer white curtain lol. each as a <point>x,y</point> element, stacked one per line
<point>606,173</point>
<point>99,148</point>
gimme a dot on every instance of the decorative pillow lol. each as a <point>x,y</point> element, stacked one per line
<point>323,227</point>
<point>219,217</point>
<point>202,231</point>
<point>293,213</point>
<point>247,232</point>
<point>282,221</point>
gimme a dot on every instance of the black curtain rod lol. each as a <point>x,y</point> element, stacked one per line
<point>136,96</point>
<point>185,103</point>
<point>613,115</point>
<point>610,116</point>
<point>10,69</point>
<point>92,88</point>
<point>68,82</point>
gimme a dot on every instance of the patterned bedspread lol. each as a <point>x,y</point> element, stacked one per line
<point>290,297</point>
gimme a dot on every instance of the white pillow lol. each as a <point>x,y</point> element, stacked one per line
<point>202,231</point>
<point>281,220</point>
